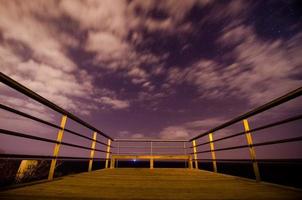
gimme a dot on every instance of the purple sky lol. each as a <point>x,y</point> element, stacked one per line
<point>151,69</point>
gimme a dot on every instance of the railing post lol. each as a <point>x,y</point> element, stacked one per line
<point>195,154</point>
<point>112,163</point>
<point>57,148</point>
<point>190,162</point>
<point>185,152</point>
<point>151,163</point>
<point>213,152</point>
<point>92,151</point>
<point>26,166</point>
<point>118,152</point>
<point>151,148</point>
<point>108,153</point>
<point>251,149</point>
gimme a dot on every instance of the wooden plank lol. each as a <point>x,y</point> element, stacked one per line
<point>128,184</point>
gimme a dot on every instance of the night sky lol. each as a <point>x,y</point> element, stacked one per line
<point>151,69</point>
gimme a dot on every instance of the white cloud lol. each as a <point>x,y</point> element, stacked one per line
<point>30,107</point>
<point>174,132</point>
<point>57,86</point>
<point>129,135</point>
<point>137,136</point>
<point>261,71</point>
<point>114,103</point>
<point>187,130</point>
<point>175,10</point>
<point>266,68</point>
<point>98,15</point>
<point>105,42</point>
<point>47,64</point>
<point>204,124</point>
<point>43,65</point>
<point>18,17</point>
<point>107,46</point>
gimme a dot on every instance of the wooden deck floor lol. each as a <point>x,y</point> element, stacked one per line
<point>165,184</point>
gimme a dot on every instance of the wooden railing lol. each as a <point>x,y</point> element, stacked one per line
<point>248,133</point>
<point>61,130</point>
<point>150,147</point>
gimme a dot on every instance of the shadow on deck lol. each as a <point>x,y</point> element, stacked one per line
<point>151,184</point>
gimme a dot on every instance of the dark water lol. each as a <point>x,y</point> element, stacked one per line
<point>288,174</point>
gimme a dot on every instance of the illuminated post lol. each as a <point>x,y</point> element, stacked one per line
<point>213,152</point>
<point>57,148</point>
<point>151,153</point>
<point>118,152</point>
<point>195,154</point>
<point>112,163</point>
<point>92,151</point>
<point>151,163</point>
<point>185,152</point>
<point>190,162</point>
<point>108,153</point>
<point>26,167</point>
<point>251,149</point>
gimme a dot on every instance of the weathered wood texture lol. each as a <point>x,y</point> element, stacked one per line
<point>165,184</point>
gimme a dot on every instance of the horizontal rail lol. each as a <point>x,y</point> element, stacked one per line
<point>287,97</point>
<point>291,119</point>
<point>18,134</point>
<point>45,157</point>
<point>147,140</point>
<point>145,153</point>
<point>295,139</point>
<point>154,147</point>
<point>24,90</point>
<point>9,109</point>
<point>287,160</point>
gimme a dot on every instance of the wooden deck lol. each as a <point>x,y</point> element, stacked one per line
<point>165,184</point>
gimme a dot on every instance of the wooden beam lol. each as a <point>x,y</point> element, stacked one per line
<point>151,163</point>
<point>57,148</point>
<point>92,151</point>
<point>190,163</point>
<point>195,154</point>
<point>148,157</point>
<point>26,166</point>
<point>213,152</point>
<point>112,163</point>
<point>251,149</point>
<point>185,152</point>
<point>108,153</point>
